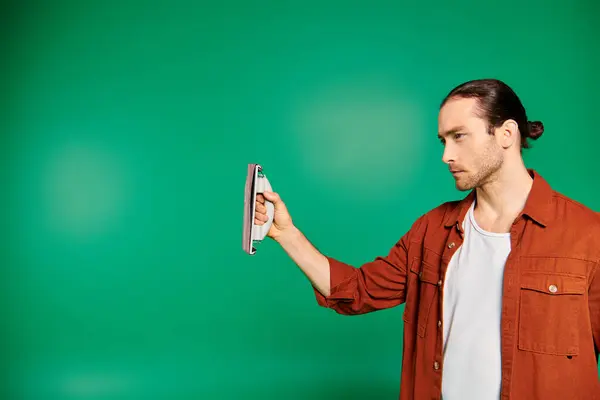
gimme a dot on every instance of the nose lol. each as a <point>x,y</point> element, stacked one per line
<point>448,155</point>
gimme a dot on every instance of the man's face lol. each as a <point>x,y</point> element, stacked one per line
<point>472,154</point>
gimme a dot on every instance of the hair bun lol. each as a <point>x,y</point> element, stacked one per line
<point>536,128</point>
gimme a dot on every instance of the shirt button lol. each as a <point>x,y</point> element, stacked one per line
<point>553,288</point>
<point>451,245</point>
<point>436,365</point>
<point>439,324</point>
<point>440,282</point>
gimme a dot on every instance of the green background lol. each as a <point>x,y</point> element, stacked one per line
<point>126,131</point>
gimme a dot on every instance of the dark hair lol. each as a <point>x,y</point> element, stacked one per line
<point>498,103</point>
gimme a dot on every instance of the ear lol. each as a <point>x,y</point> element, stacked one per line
<point>508,133</point>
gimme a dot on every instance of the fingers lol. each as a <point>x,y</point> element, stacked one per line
<point>261,198</point>
<point>260,218</point>
<point>261,208</point>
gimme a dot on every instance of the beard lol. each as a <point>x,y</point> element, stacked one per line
<point>483,169</point>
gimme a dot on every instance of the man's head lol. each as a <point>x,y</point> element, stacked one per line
<point>483,127</point>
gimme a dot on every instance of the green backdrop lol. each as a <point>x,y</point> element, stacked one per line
<point>126,131</point>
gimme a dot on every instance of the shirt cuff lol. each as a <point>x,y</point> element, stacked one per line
<point>342,283</point>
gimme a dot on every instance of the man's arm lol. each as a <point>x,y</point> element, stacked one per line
<point>375,285</point>
<point>314,264</point>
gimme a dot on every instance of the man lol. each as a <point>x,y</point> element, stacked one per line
<point>501,289</point>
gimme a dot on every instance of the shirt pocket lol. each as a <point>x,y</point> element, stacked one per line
<point>550,308</point>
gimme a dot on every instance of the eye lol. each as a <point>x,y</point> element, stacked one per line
<point>458,136</point>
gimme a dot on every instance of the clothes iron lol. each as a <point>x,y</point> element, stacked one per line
<point>256,182</point>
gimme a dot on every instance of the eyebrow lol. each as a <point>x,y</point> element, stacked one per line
<point>451,131</point>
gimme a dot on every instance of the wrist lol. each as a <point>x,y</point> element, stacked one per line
<point>288,235</point>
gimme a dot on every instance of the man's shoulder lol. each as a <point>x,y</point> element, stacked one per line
<point>440,214</point>
<point>578,220</point>
<point>432,221</point>
<point>571,211</point>
<point>444,209</point>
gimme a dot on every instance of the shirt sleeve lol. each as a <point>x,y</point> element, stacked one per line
<point>375,285</point>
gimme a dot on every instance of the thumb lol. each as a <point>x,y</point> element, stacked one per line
<point>274,198</point>
<point>271,196</point>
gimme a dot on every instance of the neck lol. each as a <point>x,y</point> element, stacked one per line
<point>505,194</point>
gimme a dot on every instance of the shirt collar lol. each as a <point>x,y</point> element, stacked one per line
<point>537,207</point>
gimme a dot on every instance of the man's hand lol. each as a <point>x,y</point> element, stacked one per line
<point>282,221</point>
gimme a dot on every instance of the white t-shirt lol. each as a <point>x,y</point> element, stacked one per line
<point>472,307</point>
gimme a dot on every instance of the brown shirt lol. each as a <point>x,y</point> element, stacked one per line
<point>550,321</point>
